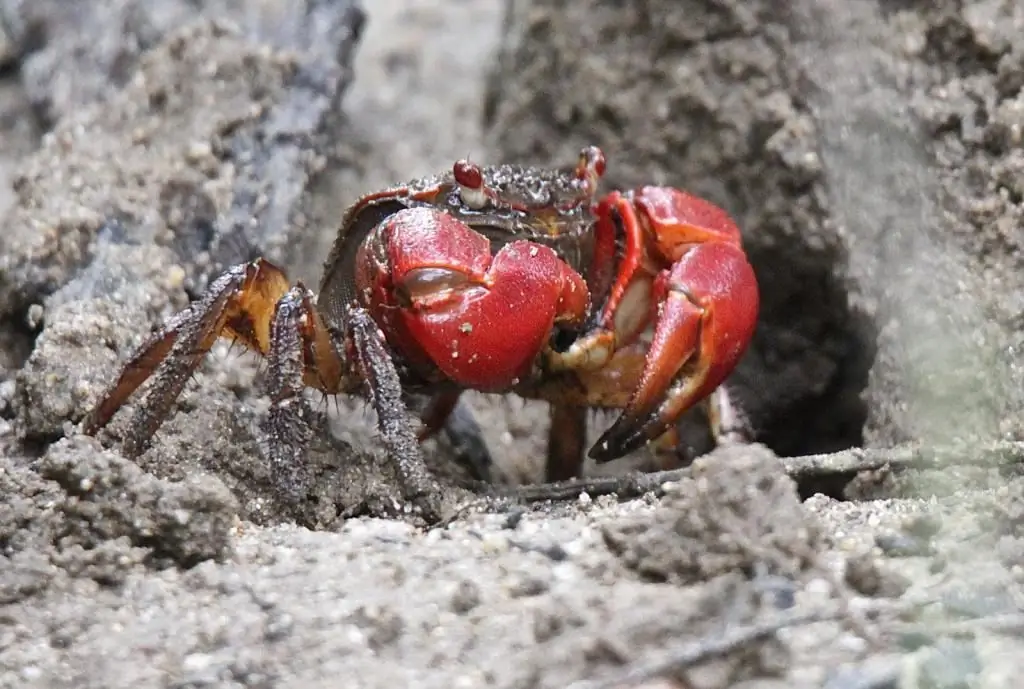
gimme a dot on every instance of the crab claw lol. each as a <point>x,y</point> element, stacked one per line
<point>705,311</point>
<point>446,303</point>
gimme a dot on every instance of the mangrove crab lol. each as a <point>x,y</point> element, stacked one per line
<point>499,278</point>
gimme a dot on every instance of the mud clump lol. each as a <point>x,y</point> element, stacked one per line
<point>739,512</point>
<point>109,499</point>
<point>82,512</point>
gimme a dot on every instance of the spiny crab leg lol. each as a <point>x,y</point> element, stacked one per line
<point>253,304</point>
<point>385,390</point>
<point>238,304</point>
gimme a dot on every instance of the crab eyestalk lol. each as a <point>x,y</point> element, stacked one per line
<point>470,179</point>
<point>590,168</point>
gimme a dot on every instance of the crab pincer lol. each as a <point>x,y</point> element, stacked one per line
<point>450,304</point>
<point>685,255</point>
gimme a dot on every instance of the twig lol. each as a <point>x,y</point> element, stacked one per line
<point>732,640</point>
<point>1010,623</point>
<point>703,649</point>
<point>800,468</point>
<point>625,486</point>
<point>854,460</point>
<point>462,510</point>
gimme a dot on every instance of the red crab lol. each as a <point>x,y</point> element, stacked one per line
<point>497,279</point>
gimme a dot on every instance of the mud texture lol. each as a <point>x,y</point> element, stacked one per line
<point>211,172</point>
<point>870,151</point>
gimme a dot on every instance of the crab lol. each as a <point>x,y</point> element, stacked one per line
<point>498,279</point>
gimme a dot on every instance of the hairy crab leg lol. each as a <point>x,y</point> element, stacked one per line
<point>139,368</point>
<point>251,303</point>
<point>288,426</point>
<point>238,304</point>
<point>385,389</point>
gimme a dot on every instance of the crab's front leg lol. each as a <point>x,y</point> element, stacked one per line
<point>685,273</point>
<point>305,353</point>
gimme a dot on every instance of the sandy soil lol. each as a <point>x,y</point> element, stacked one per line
<point>186,568</point>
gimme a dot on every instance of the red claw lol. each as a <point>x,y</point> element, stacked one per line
<point>445,302</point>
<point>704,306</point>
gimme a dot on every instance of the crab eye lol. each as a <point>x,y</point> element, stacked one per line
<point>591,165</point>
<point>595,159</point>
<point>470,179</point>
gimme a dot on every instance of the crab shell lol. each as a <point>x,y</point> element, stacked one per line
<point>467,290</point>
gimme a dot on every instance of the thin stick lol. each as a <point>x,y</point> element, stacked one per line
<point>805,467</point>
<point>1009,624</point>
<point>703,649</point>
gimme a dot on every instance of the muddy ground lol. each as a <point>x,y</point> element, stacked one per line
<point>870,151</point>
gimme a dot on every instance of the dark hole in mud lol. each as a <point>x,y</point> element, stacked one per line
<point>16,342</point>
<point>833,486</point>
<point>804,376</point>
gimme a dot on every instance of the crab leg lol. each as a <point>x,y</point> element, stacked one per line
<point>385,389</point>
<point>446,410</point>
<point>707,304</point>
<point>287,429</point>
<point>233,305</point>
<point>567,436</point>
<point>252,304</point>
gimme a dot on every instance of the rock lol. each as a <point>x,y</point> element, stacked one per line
<point>739,512</point>
<point>227,157</point>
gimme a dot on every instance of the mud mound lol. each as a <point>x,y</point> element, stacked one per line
<point>739,512</point>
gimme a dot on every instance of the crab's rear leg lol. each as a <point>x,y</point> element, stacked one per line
<point>252,304</point>
<point>239,304</point>
<point>447,410</point>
